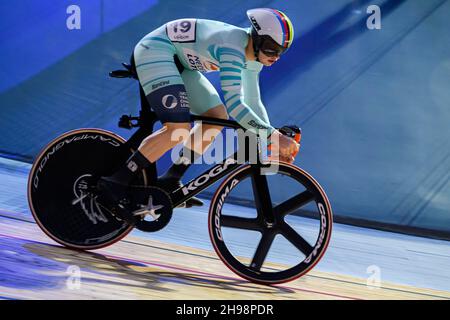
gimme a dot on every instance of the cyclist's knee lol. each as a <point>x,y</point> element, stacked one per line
<point>178,131</point>
<point>218,112</point>
<point>224,116</point>
<point>171,126</point>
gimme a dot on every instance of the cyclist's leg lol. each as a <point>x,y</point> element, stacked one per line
<point>208,132</point>
<point>203,100</point>
<point>165,91</point>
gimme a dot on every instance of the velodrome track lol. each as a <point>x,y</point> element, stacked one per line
<point>180,263</point>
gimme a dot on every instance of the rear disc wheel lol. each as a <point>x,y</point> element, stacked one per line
<point>59,186</point>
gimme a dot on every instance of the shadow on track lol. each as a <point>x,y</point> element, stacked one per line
<point>41,258</point>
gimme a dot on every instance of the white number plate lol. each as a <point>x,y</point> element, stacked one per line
<point>182,30</point>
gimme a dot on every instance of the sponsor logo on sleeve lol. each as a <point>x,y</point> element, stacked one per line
<point>254,124</point>
<point>184,101</point>
<point>160,84</point>
<point>169,101</point>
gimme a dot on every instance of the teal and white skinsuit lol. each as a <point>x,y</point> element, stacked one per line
<point>171,59</point>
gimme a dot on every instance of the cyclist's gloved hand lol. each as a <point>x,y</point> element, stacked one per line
<point>284,144</point>
<point>294,132</point>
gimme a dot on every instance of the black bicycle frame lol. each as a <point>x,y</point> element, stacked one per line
<point>146,122</point>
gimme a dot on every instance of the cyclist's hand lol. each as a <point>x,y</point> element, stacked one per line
<point>283,146</point>
<point>289,159</point>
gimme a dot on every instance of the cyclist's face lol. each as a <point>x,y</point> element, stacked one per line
<point>270,52</point>
<point>267,60</point>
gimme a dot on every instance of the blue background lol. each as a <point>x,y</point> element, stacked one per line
<point>374,105</point>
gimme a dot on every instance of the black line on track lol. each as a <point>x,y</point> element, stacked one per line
<point>3,214</point>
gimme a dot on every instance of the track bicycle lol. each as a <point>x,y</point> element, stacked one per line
<point>63,203</point>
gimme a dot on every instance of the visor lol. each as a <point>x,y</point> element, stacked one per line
<point>270,48</point>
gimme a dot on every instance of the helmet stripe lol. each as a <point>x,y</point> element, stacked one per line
<point>285,24</point>
<point>284,27</point>
<point>290,32</point>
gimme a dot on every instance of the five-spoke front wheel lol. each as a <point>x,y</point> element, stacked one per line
<point>285,229</point>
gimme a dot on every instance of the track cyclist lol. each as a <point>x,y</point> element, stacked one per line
<point>169,62</point>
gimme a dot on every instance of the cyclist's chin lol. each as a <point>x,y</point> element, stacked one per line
<point>268,63</point>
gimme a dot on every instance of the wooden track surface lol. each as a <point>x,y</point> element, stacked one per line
<point>33,267</point>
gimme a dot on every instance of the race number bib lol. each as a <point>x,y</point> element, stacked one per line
<point>182,30</point>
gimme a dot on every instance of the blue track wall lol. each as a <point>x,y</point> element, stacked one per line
<point>374,105</point>
<point>34,34</point>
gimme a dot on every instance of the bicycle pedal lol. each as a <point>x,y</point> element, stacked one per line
<point>189,203</point>
<point>182,205</point>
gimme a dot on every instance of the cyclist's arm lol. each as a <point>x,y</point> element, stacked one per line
<point>251,92</point>
<point>231,68</point>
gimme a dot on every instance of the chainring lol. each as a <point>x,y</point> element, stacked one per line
<point>153,208</point>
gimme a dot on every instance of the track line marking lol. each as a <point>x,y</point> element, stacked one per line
<point>209,274</point>
<point>168,266</point>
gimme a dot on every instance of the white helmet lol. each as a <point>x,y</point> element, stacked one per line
<point>272,25</point>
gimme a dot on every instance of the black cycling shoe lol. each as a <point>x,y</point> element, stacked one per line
<point>115,197</point>
<point>170,184</point>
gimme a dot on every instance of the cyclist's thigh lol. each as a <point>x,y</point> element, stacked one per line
<point>202,94</point>
<point>160,78</point>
